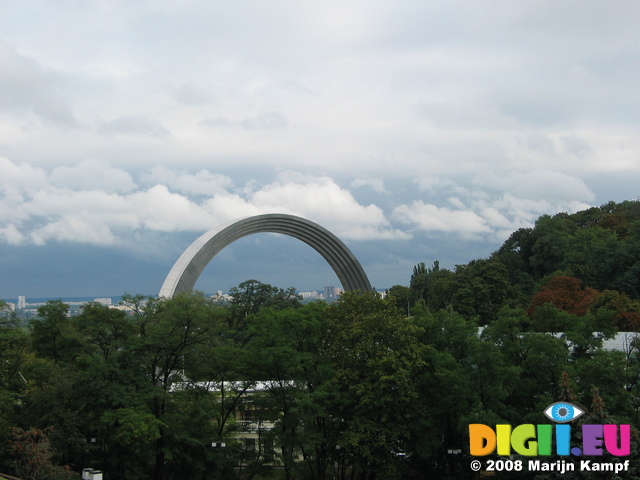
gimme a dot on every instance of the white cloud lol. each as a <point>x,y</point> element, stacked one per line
<point>192,95</point>
<point>73,229</point>
<point>93,175</point>
<point>549,185</point>
<point>494,205</point>
<point>434,184</point>
<point>575,145</point>
<point>430,218</point>
<point>133,125</point>
<point>11,235</point>
<point>322,200</point>
<point>377,184</point>
<point>159,209</point>
<point>201,183</point>
<point>262,121</point>
<point>76,204</point>
<point>27,87</point>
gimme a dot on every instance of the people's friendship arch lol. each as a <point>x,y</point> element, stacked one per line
<point>187,269</point>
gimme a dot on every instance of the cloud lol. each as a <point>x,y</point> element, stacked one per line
<point>97,204</point>
<point>92,175</point>
<point>435,183</point>
<point>26,87</point>
<point>201,183</point>
<point>18,183</point>
<point>453,123</point>
<point>377,184</point>
<point>575,145</point>
<point>322,200</point>
<point>73,229</point>
<point>493,205</point>
<point>542,184</point>
<point>11,235</point>
<point>133,125</point>
<point>430,218</point>
<point>263,121</point>
<point>191,95</point>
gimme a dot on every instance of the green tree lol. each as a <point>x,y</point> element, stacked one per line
<point>173,331</point>
<point>433,285</point>
<point>250,296</point>
<point>375,354</point>
<point>627,310</point>
<point>551,241</point>
<point>53,336</point>
<point>404,298</point>
<point>285,353</point>
<point>13,386</point>
<point>515,253</point>
<point>107,329</point>
<point>482,289</point>
<point>591,256</point>
<point>541,358</point>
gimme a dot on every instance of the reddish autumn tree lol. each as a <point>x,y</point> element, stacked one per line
<point>33,455</point>
<point>566,294</point>
<point>627,310</point>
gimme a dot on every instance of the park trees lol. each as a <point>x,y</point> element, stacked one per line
<point>53,335</point>
<point>250,296</point>
<point>374,353</point>
<point>285,355</point>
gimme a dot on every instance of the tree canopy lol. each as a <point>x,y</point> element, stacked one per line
<point>368,387</point>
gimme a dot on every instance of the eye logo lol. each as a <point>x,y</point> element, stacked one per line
<point>562,412</point>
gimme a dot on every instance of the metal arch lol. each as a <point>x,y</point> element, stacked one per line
<point>196,257</point>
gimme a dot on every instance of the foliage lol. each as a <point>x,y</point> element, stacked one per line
<point>375,354</point>
<point>53,336</point>
<point>364,388</point>
<point>250,296</point>
<point>33,456</point>
<point>564,293</point>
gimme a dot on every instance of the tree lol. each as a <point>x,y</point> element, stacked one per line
<point>105,328</point>
<point>285,353</point>
<point>482,288</point>
<point>549,248</point>
<point>564,293</point>
<point>174,330</point>
<point>627,310</point>
<point>54,335</point>
<point>404,298</point>
<point>250,296</point>
<point>374,354</point>
<point>13,386</point>
<point>591,256</point>
<point>433,285</point>
<point>540,358</point>
<point>33,456</point>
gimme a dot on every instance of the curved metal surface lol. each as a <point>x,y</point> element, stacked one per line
<point>189,266</point>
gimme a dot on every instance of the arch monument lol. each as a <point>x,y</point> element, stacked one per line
<point>189,266</point>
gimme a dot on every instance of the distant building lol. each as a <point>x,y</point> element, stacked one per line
<point>220,297</point>
<point>22,303</point>
<point>332,293</point>
<point>106,301</point>
<point>9,307</point>
<point>312,295</point>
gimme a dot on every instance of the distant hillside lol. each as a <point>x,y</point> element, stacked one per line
<point>600,246</point>
<point>580,263</point>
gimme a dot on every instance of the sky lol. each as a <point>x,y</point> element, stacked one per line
<point>413,130</point>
